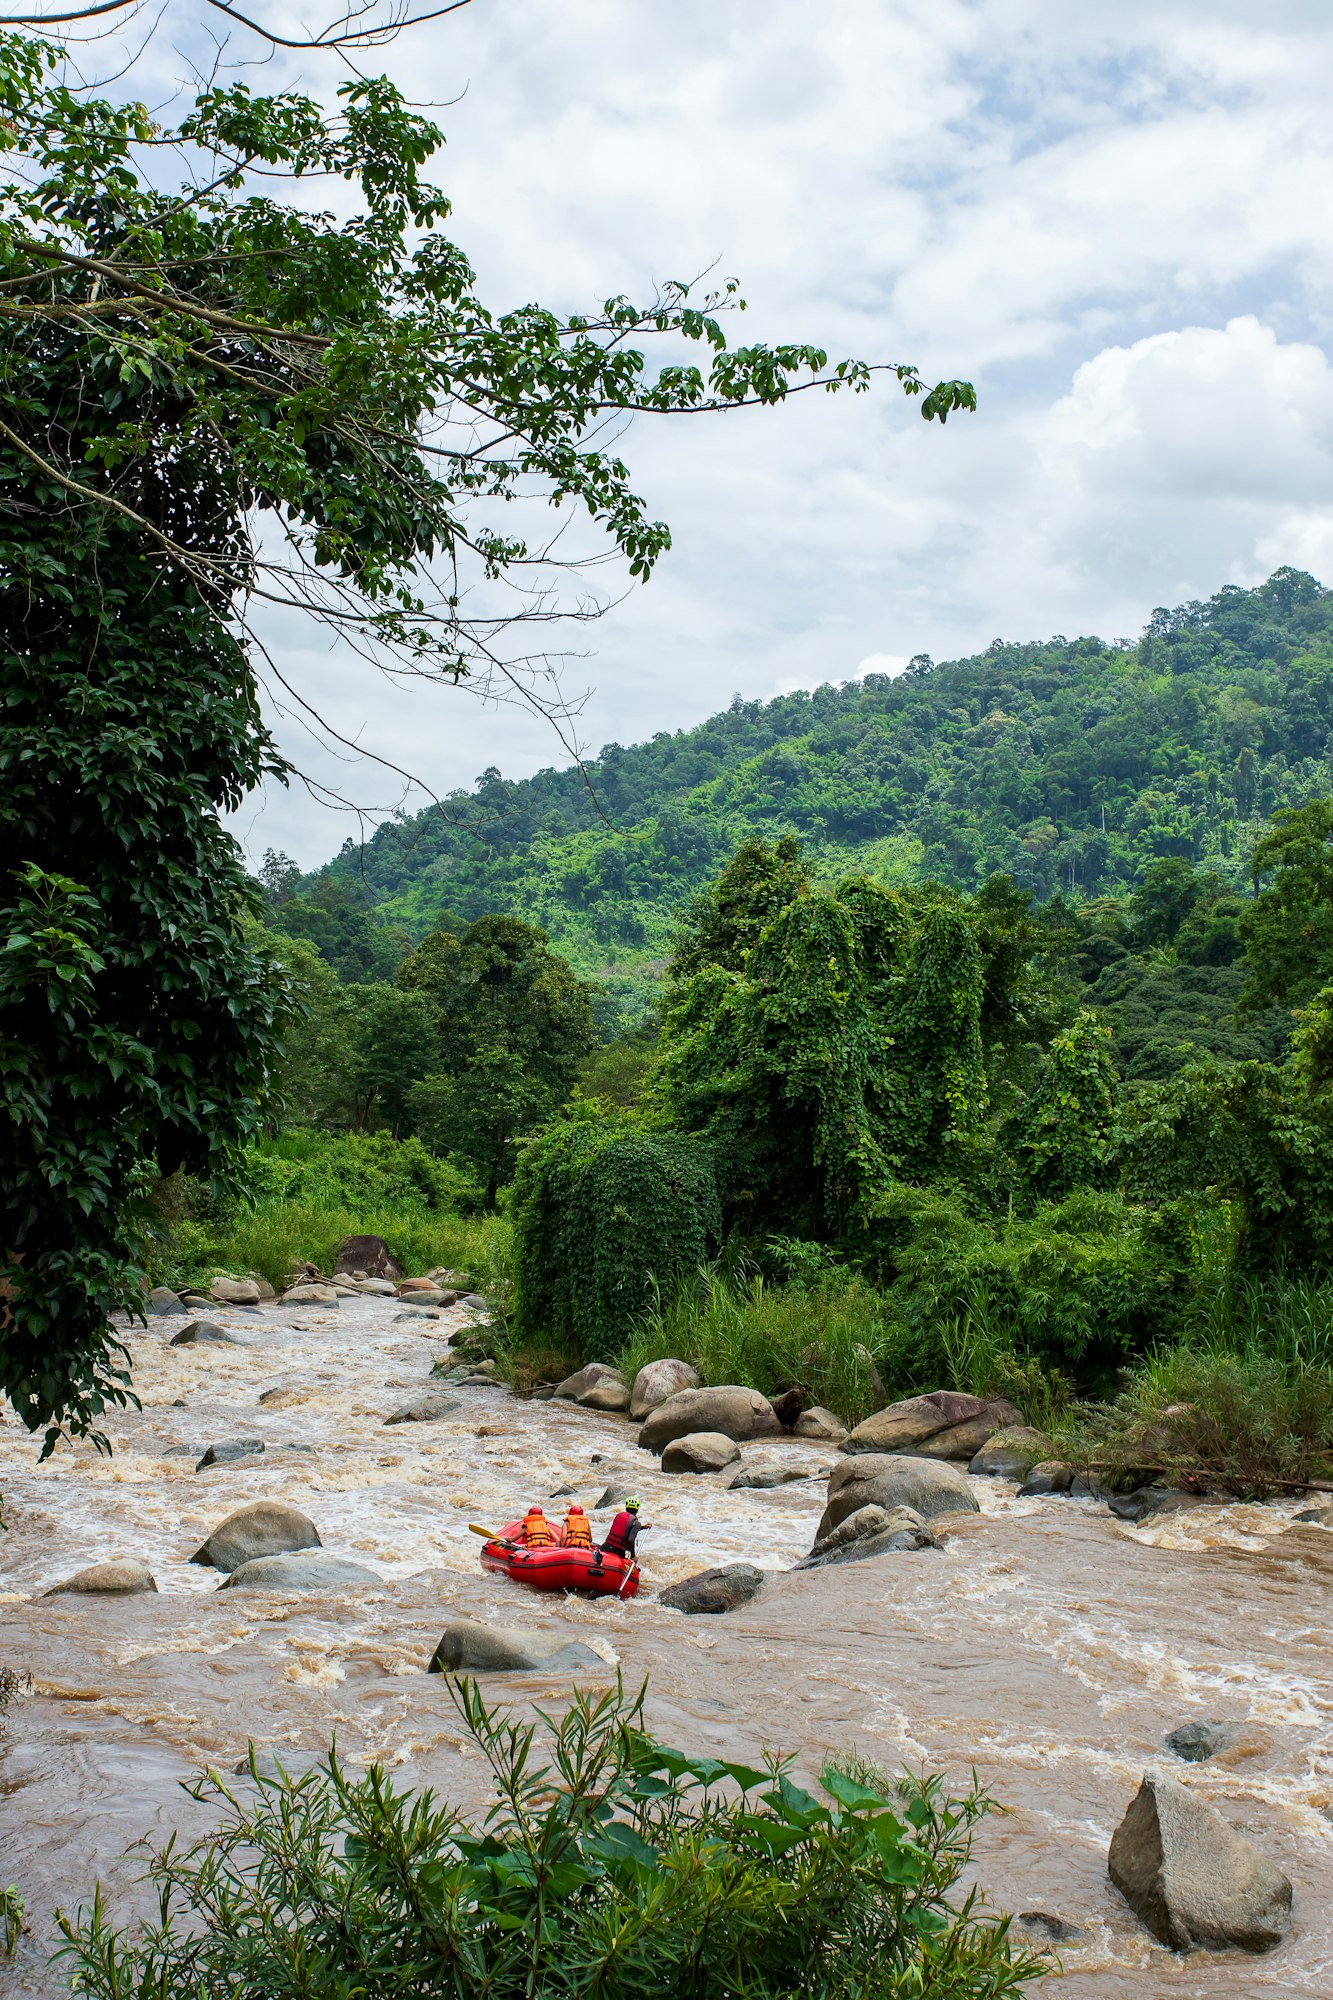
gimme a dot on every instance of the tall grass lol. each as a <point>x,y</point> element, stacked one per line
<point>271,1241</point>
<point>832,1338</point>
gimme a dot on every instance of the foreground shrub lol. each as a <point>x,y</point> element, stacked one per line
<point>607,1214</point>
<point>607,1866</point>
<point>1245,1422</point>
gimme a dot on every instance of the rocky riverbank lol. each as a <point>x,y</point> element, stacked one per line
<point>1041,1640</point>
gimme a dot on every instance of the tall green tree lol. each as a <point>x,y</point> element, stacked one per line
<point>1287,930</point>
<point>213,398</point>
<point>511,1026</point>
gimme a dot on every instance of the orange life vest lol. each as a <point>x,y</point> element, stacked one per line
<point>536,1529</point>
<point>578,1533</point>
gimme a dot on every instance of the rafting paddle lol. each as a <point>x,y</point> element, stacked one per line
<point>489,1535</point>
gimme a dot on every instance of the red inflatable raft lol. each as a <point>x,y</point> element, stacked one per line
<point>559,1568</point>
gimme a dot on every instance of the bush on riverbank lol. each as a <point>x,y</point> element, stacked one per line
<point>305,1191</point>
<point>608,1866</point>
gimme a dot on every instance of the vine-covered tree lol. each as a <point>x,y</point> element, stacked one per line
<point>213,399</point>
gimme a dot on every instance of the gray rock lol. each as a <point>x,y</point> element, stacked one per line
<point>890,1480</point>
<point>614,1495</point>
<point>421,1295</point>
<point>1196,1742</point>
<point>576,1388</point>
<point>1043,1928</point>
<point>264,1528</point>
<point>1137,1506</point>
<point>701,1451</point>
<point>414,1312</point>
<point>377,1288</point>
<point>871,1531</point>
<point>762,1481</point>
<point>713,1590</point>
<point>1317,1517</point>
<point>205,1333</point>
<point>311,1295</point>
<point>821,1426</point>
<point>1050,1476</point>
<point>162,1302</point>
<point>235,1291</point>
<point>544,1392</point>
<point>369,1254</point>
<point>425,1410</point>
<point>299,1572</point>
<point>653,1384</point>
<point>473,1299</point>
<point>1010,1454</point>
<point>737,1413</point>
<point>945,1424</point>
<point>228,1453</point>
<point>469,1647</point>
<point>124,1578</point>
<point>1191,1878</point>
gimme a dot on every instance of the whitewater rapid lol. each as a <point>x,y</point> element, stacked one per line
<point>1049,1647</point>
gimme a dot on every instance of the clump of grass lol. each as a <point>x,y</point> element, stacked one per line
<point>1246,1422</point>
<point>831,1338</point>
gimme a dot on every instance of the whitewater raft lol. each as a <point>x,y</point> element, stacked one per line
<point>558,1568</point>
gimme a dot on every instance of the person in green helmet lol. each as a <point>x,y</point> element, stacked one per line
<point>624,1531</point>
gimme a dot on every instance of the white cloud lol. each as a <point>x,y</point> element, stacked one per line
<point>1111,215</point>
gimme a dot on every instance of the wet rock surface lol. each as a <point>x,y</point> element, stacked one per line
<point>431,1409</point>
<point>122,1578</point>
<point>204,1333</point>
<point>1196,1742</point>
<point>264,1528</point>
<point>926,1485</point>
<point>714,1591</point>
<point>308,1570</point>
<point>468,1646</point>
<point>1191,1878</point>
<point>701,1451</point>
<point>944,1424</point>
<point>739,1414</point>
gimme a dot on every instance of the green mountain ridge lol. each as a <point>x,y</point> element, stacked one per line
<point>1070,765</point>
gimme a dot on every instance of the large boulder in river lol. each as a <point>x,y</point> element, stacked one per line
<point>819,1426</point>
<point>713,1590</point>
<point>109,1579</point>
<point>370,1254</point>
<point>701,1451</point>
<point>264,1528</point>
<point>884,1479</point>
<point>736,1413</point>
<point>299,1572</point>
<point>235,1291</point>
<point>871,1531</point>
<point>945,1424</point>
<point>1191,1878</point>
<point>596,1387</point>
<point>431,1409</point>
<point>311,1294</point>
<point>163,1303</point>
<point>205,1333</point>
<point>469,1647</point>
<point>1010,1454</point>
<point>653,1384</point>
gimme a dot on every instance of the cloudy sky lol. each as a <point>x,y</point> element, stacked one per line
<point>1117,219</point>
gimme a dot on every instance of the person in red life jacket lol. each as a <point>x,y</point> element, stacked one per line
<point>536,1530</point>
<point>578,1531</point>
<point>624,1531</point>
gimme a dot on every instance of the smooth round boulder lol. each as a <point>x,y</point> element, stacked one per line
<point>1191,1878</point>
<point>1009,1454</point>
<point>235,1291</point>
<point>163,1303</point>
<point>946,1424</point>
<point>764,1479</point>
<point>737,1413</point>
<point>585,1381</point>
<point>819,1426</point>
<point>1050,1476</point>
<point>124,1578</point>
<point>928,1485</point>
<point>299,1572</point>
<point>377,1288</point>
<point>713,1591</point>
<point>310,1295</point>
<point>654,1383</point>
<point>264,1528</point>
<point>701,1451</point>
<point>469,1647</point>
<point>205,1333</point>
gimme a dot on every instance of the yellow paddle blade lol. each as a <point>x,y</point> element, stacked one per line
<point>487,1534</point>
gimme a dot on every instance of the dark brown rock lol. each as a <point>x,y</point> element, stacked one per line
<point>370,1254</point>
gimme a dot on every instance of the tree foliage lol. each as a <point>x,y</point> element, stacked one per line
<point>214,398</point>
<point>608,1215</point>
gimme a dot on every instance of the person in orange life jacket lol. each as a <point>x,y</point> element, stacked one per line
<point>578,1532</point>
<point>624,1531</point>
<point>536,1529</point>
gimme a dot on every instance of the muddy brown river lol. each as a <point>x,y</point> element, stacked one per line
<point>1048,1648</point>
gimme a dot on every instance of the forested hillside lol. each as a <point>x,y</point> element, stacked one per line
<point>1068,765</point>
